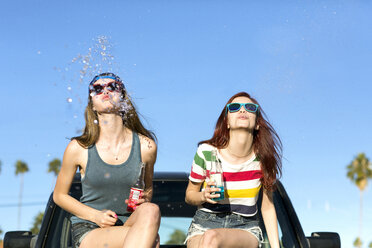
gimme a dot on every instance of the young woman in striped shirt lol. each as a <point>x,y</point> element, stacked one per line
<point>250,153</point>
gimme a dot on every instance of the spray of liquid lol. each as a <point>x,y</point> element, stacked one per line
<point>81,69</point>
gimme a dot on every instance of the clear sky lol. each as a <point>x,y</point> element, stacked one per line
<point>307,62</point>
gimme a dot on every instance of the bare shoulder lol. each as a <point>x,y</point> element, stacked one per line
<point>148,146</point>
<point>75,153</point>
<point>74,147</point>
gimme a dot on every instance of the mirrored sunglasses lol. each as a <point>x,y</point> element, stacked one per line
<point>234,107</point>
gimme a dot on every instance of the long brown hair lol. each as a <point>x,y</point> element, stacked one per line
<point>266,143</point>
<point>130,118</point>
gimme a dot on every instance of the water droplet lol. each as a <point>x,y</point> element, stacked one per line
<point>38,52</point>
<point>168,205</point>
<point>75,116</point>
<point>95,121</point>
<point>68,88</point>
<point>115,199</point>
<point>107,175</point>
<point>48,155</point>
<point>69,100</point>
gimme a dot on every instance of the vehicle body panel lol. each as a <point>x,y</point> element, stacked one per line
<point>169,194</point>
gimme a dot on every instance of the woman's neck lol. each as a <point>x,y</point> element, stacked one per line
<point>240,146</point>
<point>112,129</point>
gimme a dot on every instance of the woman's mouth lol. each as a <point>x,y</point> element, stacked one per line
<point>105,97</point>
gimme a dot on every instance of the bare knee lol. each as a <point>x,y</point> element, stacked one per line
<point>194,241</point>
<point>210,239</point>
<point>150,211</point>
<point>157,241</point>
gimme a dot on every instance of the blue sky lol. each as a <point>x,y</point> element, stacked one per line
<point>307,63</point>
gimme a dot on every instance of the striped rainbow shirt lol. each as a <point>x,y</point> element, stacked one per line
<point>242,182</point>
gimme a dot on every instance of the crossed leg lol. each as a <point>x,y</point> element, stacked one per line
<point>140,230</point>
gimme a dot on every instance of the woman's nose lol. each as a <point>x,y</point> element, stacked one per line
<point>105,90</point>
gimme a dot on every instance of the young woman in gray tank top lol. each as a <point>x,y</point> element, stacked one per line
<point>108,155</point>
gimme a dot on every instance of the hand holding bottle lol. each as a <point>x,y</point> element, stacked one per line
<point>216,176</point>
<point>211,192</point>
<point>137,191</point>
<point>133,203</point>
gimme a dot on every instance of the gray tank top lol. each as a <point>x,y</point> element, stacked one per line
<point>106,186</point>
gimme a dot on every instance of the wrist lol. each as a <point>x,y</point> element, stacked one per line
<point>93,215</point>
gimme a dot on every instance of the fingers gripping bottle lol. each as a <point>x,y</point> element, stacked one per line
<point>136,191</point>
<point>216,175</point>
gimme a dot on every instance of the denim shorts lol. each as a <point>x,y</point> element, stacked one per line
<point>80,230</point>
<point>204,221</point>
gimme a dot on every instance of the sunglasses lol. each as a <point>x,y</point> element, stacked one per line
<point>234,107</point>
<point>97,89</point>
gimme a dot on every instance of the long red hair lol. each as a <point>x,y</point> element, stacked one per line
<point>266,143</point>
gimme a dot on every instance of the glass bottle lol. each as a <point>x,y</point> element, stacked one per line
<point>216,175</point>
<point>136,191</point>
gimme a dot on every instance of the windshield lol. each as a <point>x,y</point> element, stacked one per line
<point>173,230</point>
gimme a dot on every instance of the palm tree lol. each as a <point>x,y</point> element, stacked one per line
<point>54,167</point>
<point>359,171</point>
<point>21,168</point>
<point>37,223</point>
<point>358,243</point>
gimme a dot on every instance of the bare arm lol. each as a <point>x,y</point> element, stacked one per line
<point>70,163</point>
<point>195,197</point>
<point>148,153</point>
<point>270,219</point>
